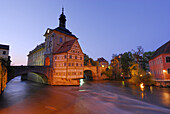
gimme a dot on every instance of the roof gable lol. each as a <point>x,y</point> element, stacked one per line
<point>78,46</point>
<point>101,60</point>
<point>65,47</point>
<point>162,50</point>
<point>6,47</point>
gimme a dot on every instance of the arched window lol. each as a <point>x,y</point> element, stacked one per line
<point>47,61</point>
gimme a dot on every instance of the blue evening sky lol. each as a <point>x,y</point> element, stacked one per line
<point>103,27</point>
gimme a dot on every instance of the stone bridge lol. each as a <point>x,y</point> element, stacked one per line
<point>96,72</point>
<point>45,72</point>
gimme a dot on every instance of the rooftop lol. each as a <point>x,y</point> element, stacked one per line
<point>101,60</point>
<point>162,50</point>
<point>42,45</point>
<point>65,47</point>
<point>4,46</point>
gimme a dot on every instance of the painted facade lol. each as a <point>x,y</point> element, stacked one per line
<point>160,63</point>
<point>36,56</point>
<point>62,52</point>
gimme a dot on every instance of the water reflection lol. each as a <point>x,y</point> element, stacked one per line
<point>101,94</point>
<point>142,86</point>
<point>81,82</point>
<point>151,89</point>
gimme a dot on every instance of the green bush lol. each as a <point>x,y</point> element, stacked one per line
<point>146,79</point>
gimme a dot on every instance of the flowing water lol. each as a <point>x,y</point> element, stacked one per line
<point>97,97</point>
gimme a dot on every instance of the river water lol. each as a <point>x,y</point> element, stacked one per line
<point>92,97</point>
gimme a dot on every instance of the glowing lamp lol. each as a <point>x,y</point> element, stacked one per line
<point>164,71</point>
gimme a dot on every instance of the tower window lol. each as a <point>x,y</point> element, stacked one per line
<point>4,52</point>
<point>61,40</point>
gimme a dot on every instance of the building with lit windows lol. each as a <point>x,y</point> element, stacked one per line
<point>36,56</point>
<point>102,62</point>
<point>160,63</point>
<point>62,52</point>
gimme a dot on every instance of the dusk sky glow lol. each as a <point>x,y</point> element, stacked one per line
<point>103,27</point>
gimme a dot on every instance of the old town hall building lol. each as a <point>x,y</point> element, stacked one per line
<point>61,51</point>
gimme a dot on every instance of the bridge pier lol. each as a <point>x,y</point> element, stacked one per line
<point>24,77</point>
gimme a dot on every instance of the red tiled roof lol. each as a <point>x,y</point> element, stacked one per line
<point>101,59</point>
<point>66,46</point>
<point>162,50</point>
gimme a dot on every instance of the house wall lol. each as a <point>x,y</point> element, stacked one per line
<point>36,58</point>
<point>158,67</point>
<point>2,55</point>
<point>68,68</point>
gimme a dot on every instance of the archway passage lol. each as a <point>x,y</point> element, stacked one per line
<point>88,75</point>
<point>47,61</point>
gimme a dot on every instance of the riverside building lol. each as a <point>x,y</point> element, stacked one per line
<point>61,51</point>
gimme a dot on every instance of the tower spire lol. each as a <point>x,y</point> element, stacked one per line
<point>62,19</point>
<point>62,10</point>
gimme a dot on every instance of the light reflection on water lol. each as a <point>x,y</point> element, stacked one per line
<point>18,91</point>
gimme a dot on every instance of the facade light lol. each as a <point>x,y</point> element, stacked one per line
<point>164,71</point>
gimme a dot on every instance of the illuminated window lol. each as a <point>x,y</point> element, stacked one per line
<point>168,59</point>
<point>102,65</point>
<point>61,40</point>
<point>48,31</point>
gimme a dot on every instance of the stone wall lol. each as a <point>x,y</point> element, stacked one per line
<point>3,77</point>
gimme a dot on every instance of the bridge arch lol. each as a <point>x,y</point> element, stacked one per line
<point>88,74</point>
<point>38,74</point>
<point>35,77</point>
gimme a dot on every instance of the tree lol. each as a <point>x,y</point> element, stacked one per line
<point>86,59</point>
<point>138,54</point>
<point>126,60</point>
<point>146,57</point>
